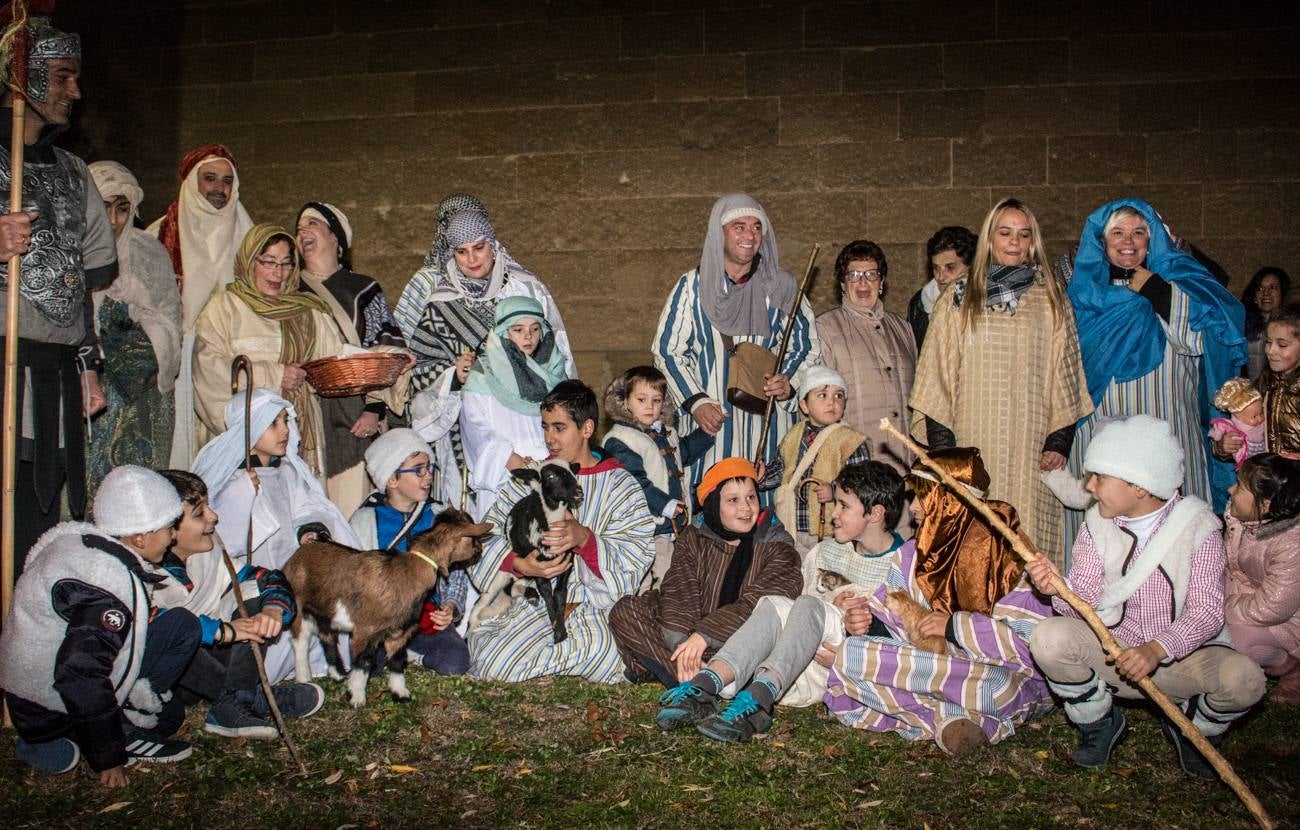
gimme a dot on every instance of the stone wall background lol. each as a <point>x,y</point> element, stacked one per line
<point>599,133</point>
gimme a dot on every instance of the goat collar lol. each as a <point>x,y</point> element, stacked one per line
<point>432,564</point>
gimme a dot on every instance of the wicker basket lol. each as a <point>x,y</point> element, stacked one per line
<point>345,377</point>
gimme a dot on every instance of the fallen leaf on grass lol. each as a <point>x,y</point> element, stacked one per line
<point>1125,772</point>
<point>352,786</point>
<point>624,802</point>
<point>833,751</point>
<point>402,769</point>
<point>115,806</point>
<point>594,713</point>
<point>1110,806</point>
<point>334,777</point>
<point>482,768</point>
<point>865,804</point>
<point>522,769</point>
<point>776,744</point>
<point>426,734</point>
<point>695,788</point>
<point>1041,754</point>
<point>439,702</point>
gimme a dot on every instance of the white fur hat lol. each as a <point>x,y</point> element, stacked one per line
<point>1140,450</point>
<point>134,499</point>
<point>386,454</point>
<point>818,376</point>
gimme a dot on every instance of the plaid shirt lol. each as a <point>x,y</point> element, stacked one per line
<point>1148,614</point>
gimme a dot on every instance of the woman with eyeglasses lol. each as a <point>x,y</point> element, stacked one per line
<point>872,348</point>
<point>263,315</point>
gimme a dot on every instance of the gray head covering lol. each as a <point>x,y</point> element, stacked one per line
<point>466,227</point>
<point>742,309</point>
<point>440,251</point>
<point>48,43</point>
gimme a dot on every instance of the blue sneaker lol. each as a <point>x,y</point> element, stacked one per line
<point>741,720</point>
<point>53,757</point>
<point>684,705</point>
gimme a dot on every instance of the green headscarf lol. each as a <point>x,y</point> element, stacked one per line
<point>517,380</point>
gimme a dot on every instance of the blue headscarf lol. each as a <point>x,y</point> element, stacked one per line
<point>1120,335</point>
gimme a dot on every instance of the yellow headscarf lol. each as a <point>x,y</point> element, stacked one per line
<point>291,309</point>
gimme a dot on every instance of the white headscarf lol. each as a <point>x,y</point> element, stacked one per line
<point>209,238</point>
<point>742,309</point>
<point>145,282</point>
<point>221,456</point>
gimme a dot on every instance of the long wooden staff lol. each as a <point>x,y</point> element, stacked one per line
<point>780,354</point>
<point>18,34</point>
<point>238,365</point>
<point>1108,642</point>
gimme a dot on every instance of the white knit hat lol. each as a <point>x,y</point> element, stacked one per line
<point>1140,450</point>
<point>134,499</point>
<point>818,376</point>
<point>389,450</point>
<point>737,212</point>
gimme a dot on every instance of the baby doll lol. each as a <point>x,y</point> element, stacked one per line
<point>1242,401</point>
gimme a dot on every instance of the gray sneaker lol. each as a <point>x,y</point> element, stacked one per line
<point>232,716</point>
<point>52,757</point>
<point>296,700</point>
<point>1099,738</point>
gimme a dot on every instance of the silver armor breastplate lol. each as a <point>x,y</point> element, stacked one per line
<point>53,278</point>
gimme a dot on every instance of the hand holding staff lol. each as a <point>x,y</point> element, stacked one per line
<point>1108,642</point>
<point>785,344</point>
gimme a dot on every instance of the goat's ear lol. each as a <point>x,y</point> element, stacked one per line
<point>526,474</point>
<point>477,530</point>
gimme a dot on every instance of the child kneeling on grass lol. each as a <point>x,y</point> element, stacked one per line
<point>774,651</point>
<point>401,465</point>
<point>1152,564</point>
<point>224,672</point>
<point>85,668</point>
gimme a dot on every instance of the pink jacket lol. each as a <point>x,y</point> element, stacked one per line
<point>1264,578</point>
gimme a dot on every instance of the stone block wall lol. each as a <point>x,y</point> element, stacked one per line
<point>599,132</point>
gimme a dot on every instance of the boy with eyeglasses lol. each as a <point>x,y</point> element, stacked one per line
<point>400,462</point>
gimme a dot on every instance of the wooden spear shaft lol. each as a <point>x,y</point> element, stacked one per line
<point>1109,644</point>
<point>780,354</point>
<point>238,365</point>
<point>18,142</point>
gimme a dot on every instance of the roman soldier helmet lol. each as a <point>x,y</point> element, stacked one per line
<point>48,43</point>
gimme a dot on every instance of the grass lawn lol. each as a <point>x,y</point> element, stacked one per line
<point>563,753</point>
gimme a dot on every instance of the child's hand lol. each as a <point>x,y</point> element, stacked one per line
<point>113,778</point>
<point>825,655</point>
<point>1230,442</point>
<point>1135,663</point>
<point>260,627</point>
<point>934,624</point>
<point>688,657</point>
<point>857,620</point>
<point>441,618</point>
<point>1040,574</point>
<point>847,599</point>
<point>825,493</point>
<point>565,535</point>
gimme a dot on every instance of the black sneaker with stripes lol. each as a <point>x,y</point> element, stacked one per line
<point>146,747</point>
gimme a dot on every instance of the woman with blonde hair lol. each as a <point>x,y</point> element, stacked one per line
<point>1000,370</point>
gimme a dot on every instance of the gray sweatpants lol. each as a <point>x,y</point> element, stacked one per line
<point>763,648</point>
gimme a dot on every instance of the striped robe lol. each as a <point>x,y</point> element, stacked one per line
<point>886,685</point>
<point>1168,392</point>
<point>518,645</point>
<point>687,602</point>
<point>690,352</point>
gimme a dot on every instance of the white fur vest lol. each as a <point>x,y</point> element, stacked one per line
<point>656,469</point>
<point>33,633</point>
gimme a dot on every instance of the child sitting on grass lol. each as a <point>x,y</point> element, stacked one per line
<point>813,450</point>
<point>401,464</point>
<point>85,669</point>
<point>224,672</point>
<point>1263,594</point>
<point>720,570</point>
<point>1152,564</point>
<point>645,443</point>
<point>773,652</point>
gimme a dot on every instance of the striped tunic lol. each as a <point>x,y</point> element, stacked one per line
<point>690,352</point>
<point>1168,392</point>
<point>518,645</point>
<point>886,685</point>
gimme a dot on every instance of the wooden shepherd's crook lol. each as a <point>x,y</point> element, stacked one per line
<point>238,365</point>
<point>1108,642</point>
<point>20,36</point>
<point>780,354</point>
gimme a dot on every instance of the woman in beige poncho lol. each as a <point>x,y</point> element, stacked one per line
<point>1000,370</point>
<point>261,314</point>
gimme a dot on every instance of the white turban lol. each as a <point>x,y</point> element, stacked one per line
<point>387,452</point>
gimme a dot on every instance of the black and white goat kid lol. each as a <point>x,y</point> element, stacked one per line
<point>555,492</point>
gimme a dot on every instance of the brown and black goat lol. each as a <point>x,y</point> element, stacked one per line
<point>374,596</point>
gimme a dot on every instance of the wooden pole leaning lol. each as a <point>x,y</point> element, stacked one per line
<point>242,365</point>
<point>1109,644</point>
<point>785,344</point>
<point>20,37</point>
